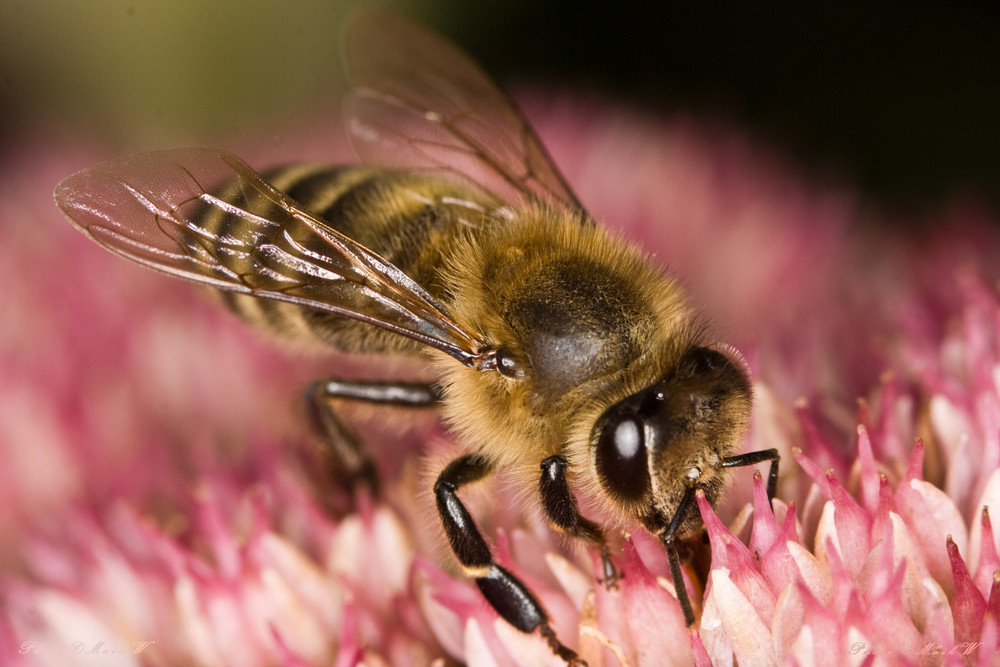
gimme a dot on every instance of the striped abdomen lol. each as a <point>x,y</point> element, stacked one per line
<point>409,219</point>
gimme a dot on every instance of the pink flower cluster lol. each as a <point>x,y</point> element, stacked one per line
<point>163,504</point>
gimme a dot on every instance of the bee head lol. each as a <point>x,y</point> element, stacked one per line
<point>650,446</point>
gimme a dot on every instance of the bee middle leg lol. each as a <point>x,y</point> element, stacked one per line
<point>563,512</point>
<point>508,596</point>
<point>350,461</point>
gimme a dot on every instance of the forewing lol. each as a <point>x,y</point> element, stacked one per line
<point>418,102</point>
<point>204,215</point>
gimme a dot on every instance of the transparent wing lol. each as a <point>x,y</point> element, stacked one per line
<point>204,215</point>
<point>418,102</point>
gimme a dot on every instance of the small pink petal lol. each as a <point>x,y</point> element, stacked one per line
<point>529,551</point>
<point>279,605</point>
<point>349,648</point>
<point>712,632</point>
<point>445,602</point>
<point>788,617</point>
<point>285,655</point>
<point>224,547</point>
<point>777,564</point>
<point>825,536</point>
<point>988,562</point>
<point>887,622</point>
<point>844,597</point>
<point>574,582</point>
<point>749,636</point>
<point>813,509</point>
<point>814,576</point>
<point>879,569</point>
<point>868,472</point>
<point>938,628</point>
<point>990,637</point>
<point>853,526</point>
<point>730,553</point>
<point>311,584</point>
<point>699,654</point>
<point>642,616</point>
<point>654,622</point>
<point>741,522</point>
<point>968,605</point>
<point>650,551</point>
<point>915,468</point>
<point>194,627</point>
<point>374,542</point>
<point>765,526</point>
<point>931,515</point>
<point>476,647</point>
<point>814,471</point>
<point>916,597</point>
<point>820,641</point>
<point>990,497</point>
<point>952,428</point>
<point>993,601</point>
<point>525,650</point>
<point>884,506</point>
<point>989,642</point>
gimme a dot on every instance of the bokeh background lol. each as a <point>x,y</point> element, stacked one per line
<point>897,100</point>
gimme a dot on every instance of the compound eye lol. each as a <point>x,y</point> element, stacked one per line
<point>621,458</point>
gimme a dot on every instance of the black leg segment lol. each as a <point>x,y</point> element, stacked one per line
<point>466,541</point>
<point>564,514</point>
<point>504,592</point>
<point>349,459</point>
<point>752,458</point>
<point>406,394</point>
<point>667,537</point>
<point>668,534</point>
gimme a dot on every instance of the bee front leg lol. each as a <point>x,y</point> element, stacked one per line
<point>505,592</point>
<point>668,535</point>
<point>674,558</point>
<point>564,515</point>
<point>753,458</point>
<point>350,461</point>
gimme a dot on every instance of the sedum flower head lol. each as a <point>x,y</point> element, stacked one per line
<point>165,505</point>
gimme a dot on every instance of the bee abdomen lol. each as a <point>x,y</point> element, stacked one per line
<point>408,219</point>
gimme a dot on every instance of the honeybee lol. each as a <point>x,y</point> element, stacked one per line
<point>565,355</point>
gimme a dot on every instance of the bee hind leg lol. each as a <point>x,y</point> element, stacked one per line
<point>508,596</point>
<point>349,459</point>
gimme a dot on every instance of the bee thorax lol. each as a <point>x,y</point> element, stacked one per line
<point>572,321</point>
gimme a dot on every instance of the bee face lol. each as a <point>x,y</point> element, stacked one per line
<point>651,446</point>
